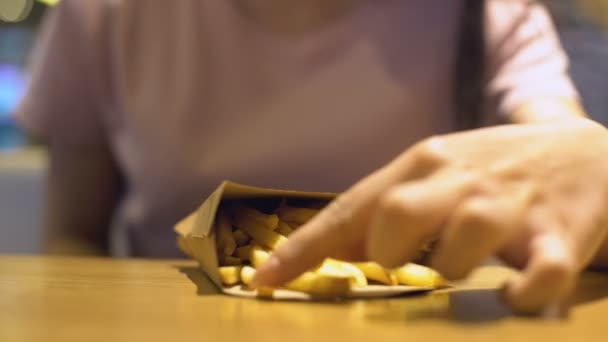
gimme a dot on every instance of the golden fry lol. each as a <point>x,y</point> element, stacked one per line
<point>376,272</point>
<point>260,235</point>
<point>232,261</point>
<point>335,268</point>
<point>298,216</point>
<point>247,273</point>
<point>284,229</point>
<point>243,252</point>
<point>258,256</point>
<point>230,275</point>
<point>320,285</point>
<point>418,275</point>
<point>257,234</point>
<point>241,237</point>
<point>225,241</point>
<point>249,214</point>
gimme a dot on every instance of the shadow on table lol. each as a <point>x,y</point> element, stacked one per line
<point>204,286</point>
<point>465,306</point>
<point>592,288</point>
<point>477,306</point>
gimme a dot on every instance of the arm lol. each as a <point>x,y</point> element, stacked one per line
<point>64,107</point>
<point>533,193</point>
<point>83,189</point>
<point>548,110</point>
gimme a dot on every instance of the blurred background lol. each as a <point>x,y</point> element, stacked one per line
<point>583,26</point>
<point>22,163</point>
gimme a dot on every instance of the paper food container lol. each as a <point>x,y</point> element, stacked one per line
<point>196,237</point>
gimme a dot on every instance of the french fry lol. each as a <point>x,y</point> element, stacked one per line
<point>332,267</point>
<point>309,282</point>
<point>260,235</point>
<point>232,261</point>
<point>241,237</point>
<point>258,256</point>
<point>243,252</point>
<point>225,241</point>
<point>298,216</point>
<point>247,273</point>
<point>376,272</point>
<point>394,280</point>
<point>257,234</point>
<point>320,285</point>
<point>418,275</point>
<point>230,275</point>
<point>245,213</point>
<point>284,229</point>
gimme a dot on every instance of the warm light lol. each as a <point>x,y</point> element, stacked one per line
<point>49,2</point>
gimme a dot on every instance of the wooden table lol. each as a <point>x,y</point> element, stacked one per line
<point>66,299</point>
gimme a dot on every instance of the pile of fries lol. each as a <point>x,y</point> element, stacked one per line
<point>246,237</point>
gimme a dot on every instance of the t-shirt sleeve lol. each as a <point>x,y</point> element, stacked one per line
<point>62,104</point>
<point>526,60</point>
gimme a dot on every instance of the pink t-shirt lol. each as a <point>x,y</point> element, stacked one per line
<point>188,93</point>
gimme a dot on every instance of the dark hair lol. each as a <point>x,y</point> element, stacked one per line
<point>468,86</point>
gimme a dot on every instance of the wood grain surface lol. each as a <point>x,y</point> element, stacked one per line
<point>68,299</point>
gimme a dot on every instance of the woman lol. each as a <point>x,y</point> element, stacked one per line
<point>169,98</point>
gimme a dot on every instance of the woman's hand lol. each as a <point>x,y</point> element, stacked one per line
<point>535,195</point>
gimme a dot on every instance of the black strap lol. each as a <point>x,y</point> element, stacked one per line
<point>469,68</point>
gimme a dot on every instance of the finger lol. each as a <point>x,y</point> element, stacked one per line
<point>585,215</point>
<point>327,235</point>
<point>476,230</point>
<point>344,222</point>
<point>411,214</point>
<point>547,279</point>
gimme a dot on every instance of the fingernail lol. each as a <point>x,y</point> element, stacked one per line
<point>266,274</point>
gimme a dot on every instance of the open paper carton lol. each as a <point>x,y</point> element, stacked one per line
<point>197,239</point>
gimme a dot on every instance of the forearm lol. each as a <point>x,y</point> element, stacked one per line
<point>81,196</point>
<point>548,110</point>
